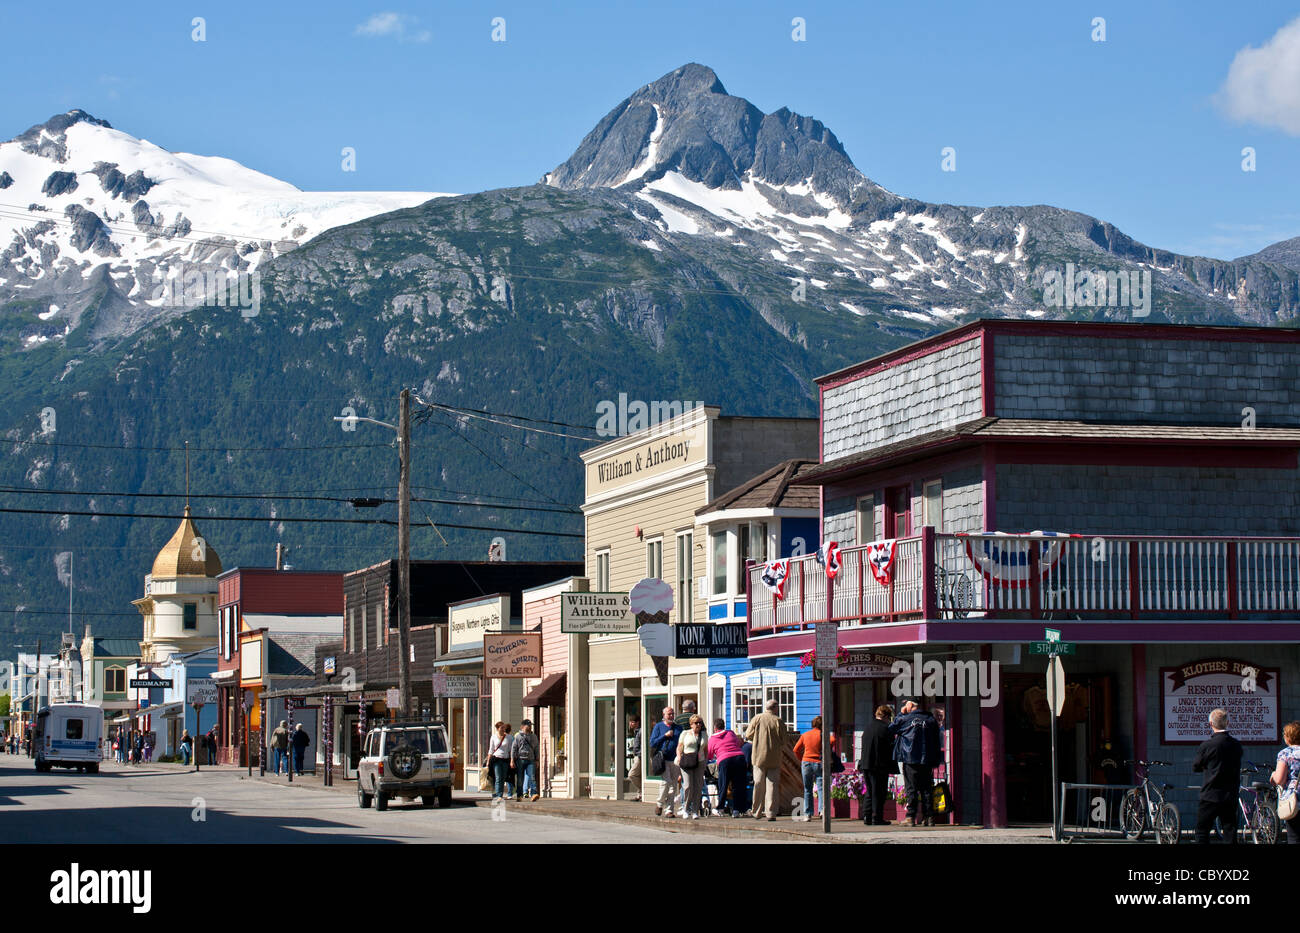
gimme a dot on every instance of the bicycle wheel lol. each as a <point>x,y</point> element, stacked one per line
<point>1263,825</point>
<point>1168,825</point>
<point>1133,815</point>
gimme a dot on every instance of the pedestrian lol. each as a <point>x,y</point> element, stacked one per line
<point>663,744</point>
<point>210,741</point>
<point>725,747</point>
<point>280,745</point>
<point>767,732</point>
<point>808,750</point>
<point>149,741</point>
<point>523,759</point>
<point>1287,778</point>
<point>917,746</point>
<point>875,765</point>
<point>499,757</point>
<point>634,755</point>
<point>300,742</point>
<point>187,747</point>
<point>693,758</point>
<point>1219,758</point>
<point>138,749</point>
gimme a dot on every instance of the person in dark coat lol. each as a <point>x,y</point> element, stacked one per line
<point>1219,757</point>
<point>300,742</point>
<point>876,764</point>
<point>918,745</point>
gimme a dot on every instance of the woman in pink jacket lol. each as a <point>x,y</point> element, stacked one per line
<point>729,752</point>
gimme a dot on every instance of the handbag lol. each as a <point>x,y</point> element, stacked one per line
<point>1287,806</point>
<point>657,765</point>
<point>837,763</point>
<point>484,778</point>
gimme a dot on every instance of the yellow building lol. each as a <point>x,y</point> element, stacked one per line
<point>642,493</point>
<point>179,605</point>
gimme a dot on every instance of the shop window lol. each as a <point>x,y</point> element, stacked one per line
<point>654,559</point>
<point>718,549</point>
<point>190,616</point>
<point>749,700</point>
<point>933,504</point>
<point>866,519</point>
<point>685,591</point>
<point>602,571</point>
<point>606,736</point>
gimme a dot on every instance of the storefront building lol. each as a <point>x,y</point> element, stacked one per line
<point>557,700</point>
<point>1133,487</point>
<point>768,517</point>
<point>282,615</point>
<point>105,662</point>
<point>642,493</point>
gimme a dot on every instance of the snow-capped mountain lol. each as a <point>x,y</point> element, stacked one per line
<point>781,187</point>
<point>90,214</point>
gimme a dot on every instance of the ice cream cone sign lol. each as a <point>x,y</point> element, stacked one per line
<point>650,601</point>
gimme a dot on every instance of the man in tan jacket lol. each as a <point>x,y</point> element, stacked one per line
<point>767,732</point>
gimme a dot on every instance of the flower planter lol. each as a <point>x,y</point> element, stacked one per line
<point>841,809</point>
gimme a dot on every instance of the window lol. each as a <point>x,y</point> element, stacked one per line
<point>75,728</point>
<point>379,625</point>
<point>606,734</point>
<point>654,558</point>
<point>685,590</point>
<point>190,616</point>
<point>114,680</point>
<point>719,553</point>
<point>365,629</point>
<point>866,519</point>
<point>352,629</point>
<point>749,699</point>
<point>933,498</point>
<point>602,571</point>
<point>753,542</point>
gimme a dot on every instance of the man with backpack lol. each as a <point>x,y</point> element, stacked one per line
<point>523,754</point>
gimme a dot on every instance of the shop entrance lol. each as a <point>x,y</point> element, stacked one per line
<point>1085,731</point>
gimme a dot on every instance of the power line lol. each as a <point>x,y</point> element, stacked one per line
<point>490,415</point>
<point>499,465</point>
<point>272,520</point>
<point>22,443</point>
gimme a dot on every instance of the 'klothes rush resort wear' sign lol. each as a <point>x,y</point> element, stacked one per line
<point>1246,690</point>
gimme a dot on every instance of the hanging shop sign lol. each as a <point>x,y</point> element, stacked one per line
<point>515,654</point>
<point>456,685</point>
<point>596,613</point>
<point>470,620</point>
<point>1247,691</point>
<point>708,640</point>
<point>865,664</point>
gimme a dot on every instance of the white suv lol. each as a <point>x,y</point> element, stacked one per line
<point>405,759</point>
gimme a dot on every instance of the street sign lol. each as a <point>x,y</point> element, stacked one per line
<point>1052,634</point>
<point>828,645</point>
<point>1055,685</point>
<point>1052,647</point>
<point>393,698</point>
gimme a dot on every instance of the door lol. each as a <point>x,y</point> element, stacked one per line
<point>351,746</point>
<point>458,742</point>
<point>898,511</point>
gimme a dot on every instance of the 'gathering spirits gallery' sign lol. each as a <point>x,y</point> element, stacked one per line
<point>1248,692</point>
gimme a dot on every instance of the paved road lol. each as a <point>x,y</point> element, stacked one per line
<point>160,804</point>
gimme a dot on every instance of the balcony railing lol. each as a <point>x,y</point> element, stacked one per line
<point>1041,576</point>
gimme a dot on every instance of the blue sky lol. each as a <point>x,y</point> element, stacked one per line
<point>1128,130</point>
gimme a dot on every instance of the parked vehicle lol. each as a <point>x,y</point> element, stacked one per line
<point>68,735</point>
<point>405,759</point>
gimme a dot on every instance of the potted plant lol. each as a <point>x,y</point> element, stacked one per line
<point>847,790</point>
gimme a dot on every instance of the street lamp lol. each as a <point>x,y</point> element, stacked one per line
<point>403,430</point>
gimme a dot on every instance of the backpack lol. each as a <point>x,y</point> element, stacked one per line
<point>941,800</point>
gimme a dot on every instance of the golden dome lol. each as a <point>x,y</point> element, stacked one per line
<point>179,556</point>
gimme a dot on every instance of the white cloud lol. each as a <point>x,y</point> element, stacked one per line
<point>397,26</point>
<point>1263,84</point>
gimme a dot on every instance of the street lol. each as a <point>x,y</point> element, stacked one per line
<point>144,804</point>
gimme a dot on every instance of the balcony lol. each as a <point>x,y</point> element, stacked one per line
<point>1040,576</point>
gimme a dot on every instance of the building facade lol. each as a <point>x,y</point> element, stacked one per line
<point>179,606</point>
<point>1133,487</point>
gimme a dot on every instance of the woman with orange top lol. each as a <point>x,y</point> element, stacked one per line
<point>809,752</point>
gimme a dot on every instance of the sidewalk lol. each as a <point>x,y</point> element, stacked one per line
<point>632,813</point>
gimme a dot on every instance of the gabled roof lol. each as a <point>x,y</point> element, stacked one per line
<point>773,488</point>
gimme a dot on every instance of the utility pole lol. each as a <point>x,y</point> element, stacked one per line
<point>404,557</point>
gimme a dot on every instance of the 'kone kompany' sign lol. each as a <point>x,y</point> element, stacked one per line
<point>707,640</point>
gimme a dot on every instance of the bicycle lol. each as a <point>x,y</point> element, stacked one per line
<point>1145,806</point>
<point>1260,815</point>
<point>955,591</point>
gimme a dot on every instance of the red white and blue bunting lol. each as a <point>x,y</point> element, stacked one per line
<point>774,575</point>
<point>1004,560</point>
<point>880,558</point>
<point>828,555</point>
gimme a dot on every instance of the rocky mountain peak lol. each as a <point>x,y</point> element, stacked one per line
<point>686,122</point>
<point>49,139</point>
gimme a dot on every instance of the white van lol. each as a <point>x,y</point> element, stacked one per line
<point>68,735</point>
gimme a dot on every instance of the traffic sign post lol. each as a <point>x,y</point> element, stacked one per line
<point>1053,647</point>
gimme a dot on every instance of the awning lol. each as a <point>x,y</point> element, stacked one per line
<point>159,710</point>
<point>228,674</point>
<point>550,692</point>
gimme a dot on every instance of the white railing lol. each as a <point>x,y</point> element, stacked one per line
<point>1043,576</point>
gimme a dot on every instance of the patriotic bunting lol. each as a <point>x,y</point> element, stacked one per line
<point>828,555</point>
<point>774,574</point>
<point>880,558</point>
